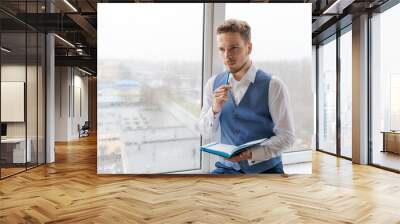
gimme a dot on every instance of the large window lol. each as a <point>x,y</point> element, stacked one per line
<point>149,87</point>
<point>327,96</point>
<point>15,154</point>
<point>346,93</point>
<point>150,78</point>
<point>335,73</point>
<point>385,86</point>
<point>22,92</point>
<point>273,51</point>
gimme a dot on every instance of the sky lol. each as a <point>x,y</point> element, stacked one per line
<point>151,31</point>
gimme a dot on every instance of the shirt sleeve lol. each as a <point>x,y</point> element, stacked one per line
<point>208,122</point>
<point>279,106</point>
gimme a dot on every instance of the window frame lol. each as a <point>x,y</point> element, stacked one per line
<point>334,37</point>
<point>381,9</point>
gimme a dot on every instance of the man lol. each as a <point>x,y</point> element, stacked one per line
<point>244,104</point>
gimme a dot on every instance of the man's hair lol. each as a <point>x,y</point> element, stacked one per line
<point>236,26</point>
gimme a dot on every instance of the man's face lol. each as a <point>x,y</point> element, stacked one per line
<point>233,50</point>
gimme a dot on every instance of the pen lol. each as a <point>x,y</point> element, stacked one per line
<point>227,79</point>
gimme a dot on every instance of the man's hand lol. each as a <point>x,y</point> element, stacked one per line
<point>245,155</point>
<point>220,97</point>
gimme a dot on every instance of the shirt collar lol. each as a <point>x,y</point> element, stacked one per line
<point>251,73</point>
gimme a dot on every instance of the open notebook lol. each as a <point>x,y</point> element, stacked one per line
<point>229,151</point>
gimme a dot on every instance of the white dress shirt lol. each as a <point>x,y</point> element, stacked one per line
<point>279,108</point>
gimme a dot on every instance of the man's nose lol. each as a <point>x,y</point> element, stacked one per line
<point>227,55</point>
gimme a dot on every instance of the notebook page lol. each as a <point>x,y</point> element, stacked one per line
<point>223,148</point>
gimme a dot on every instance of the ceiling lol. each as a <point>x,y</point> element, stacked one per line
<point>76,22</point>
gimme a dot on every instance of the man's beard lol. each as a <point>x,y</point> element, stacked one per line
<point>240,68</point>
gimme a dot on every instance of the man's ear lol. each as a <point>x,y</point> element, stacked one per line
<point>249,47</point>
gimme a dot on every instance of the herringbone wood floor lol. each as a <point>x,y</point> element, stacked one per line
<point>70,191</point>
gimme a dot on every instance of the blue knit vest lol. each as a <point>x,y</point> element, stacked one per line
<point>249,120</point>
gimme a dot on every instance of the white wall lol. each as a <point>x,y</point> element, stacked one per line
<point>62,113</point>
<point>80,89</point>
<point>70,84</point>
<point>17,73</point>
<point>12,73</point>
<point>33,125</point>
